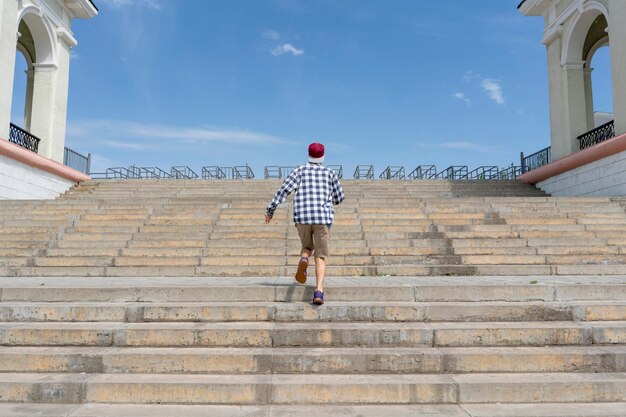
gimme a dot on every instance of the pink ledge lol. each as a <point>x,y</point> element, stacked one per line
<point>575,160</point>
<point>30,158</point>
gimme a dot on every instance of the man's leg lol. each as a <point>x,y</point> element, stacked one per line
<point>304,231</point>
<point>320,273</point>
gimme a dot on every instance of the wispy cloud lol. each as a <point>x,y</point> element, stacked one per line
<point>493,88</point>
<point>151,4</point>
<point>462,97</point>
<point>287,48</point>
<point>271,34</point>
<point>110,131</point>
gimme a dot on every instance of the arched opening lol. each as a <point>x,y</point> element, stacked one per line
<point>25,57</point>
<point>602,86</point>
<point>598,86</point>
<point>20,85</point>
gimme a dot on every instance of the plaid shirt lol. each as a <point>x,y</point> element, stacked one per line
<point>317,189</point>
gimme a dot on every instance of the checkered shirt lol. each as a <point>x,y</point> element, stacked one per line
<point>317,189</point>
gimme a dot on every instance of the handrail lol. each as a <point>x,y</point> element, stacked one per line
<point>338,169</point>
<point>77,161</point>
<point>183,172</point>
<point>23,138</point>
<point>597,135</point>
<point>484,173</point>
<point>392,173</point>
<point>364,172</point>
<point>536,160</point>
<point>423,172</point>
<point>510,173</point>
<point>243,172</point>
<point>153,173</point>
<point>454,172</point>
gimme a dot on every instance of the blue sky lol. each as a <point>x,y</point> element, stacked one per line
<point>403,82</point>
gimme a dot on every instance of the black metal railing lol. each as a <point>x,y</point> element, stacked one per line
<point>423,172</point>
<point>484,173</point>
<point>338,170</point>
<point>510,173</point>
<point>364,172</point>
<point>117,173</point>
<point>597,135</point>
<point>153,173</point>
<point>183,173</point>
<point>392,173</point>
<point>77,161</point>
<point>536,160</point>
<point>23,138</point>
<point>455,172</point>
<point>278,172</point>
<point>243,172</point>
<point>213,173</point>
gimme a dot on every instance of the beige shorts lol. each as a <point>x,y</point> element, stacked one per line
<point>316,238</point>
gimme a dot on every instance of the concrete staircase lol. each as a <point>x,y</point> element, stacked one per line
<point>398,346</point>
<point>112,304</point>
<point>404,228</point>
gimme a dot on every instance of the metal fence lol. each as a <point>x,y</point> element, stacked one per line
<point>423,172</point>
<point>536,160</point>
<point>597,135</point>
<point>392,173</point>
<point>23,138</point>
<point>364,172</point>
<point>77,161</point>
<point>454,172</point>
<point>484,173</point>
<point>183,172</point>
<point>338,170</point>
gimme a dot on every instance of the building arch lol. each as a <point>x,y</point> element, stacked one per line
<point>43,35</point>
<point>577,30</point>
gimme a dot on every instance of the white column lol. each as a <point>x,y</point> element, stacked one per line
<point>575,106</point>
<point>589,98</point>
<point>560,147</point>
<point>617,40</point>
<point>28,105</point>
<point>8,45</point>
<point>43,107</point>
<point>61,89</point>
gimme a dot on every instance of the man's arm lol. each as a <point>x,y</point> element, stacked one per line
<point>337,191</point>
<point>283,192</point>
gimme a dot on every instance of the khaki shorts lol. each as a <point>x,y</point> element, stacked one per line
<point>315,237</point>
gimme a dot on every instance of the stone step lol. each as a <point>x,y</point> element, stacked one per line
<point>429,410</point>
<point>336,311</point>
<point>264,334</point>
<point>366,289</point>
<point>312,389</point>
<point>312,361</point>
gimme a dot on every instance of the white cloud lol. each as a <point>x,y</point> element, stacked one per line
<point>151,4</point>
<point>110,132</point>
<point>128,145</point>
<point>74,55</point>
<point>287,48</point>
<point>271,34</point>
<point>494,90</point>
<point>463,97</point>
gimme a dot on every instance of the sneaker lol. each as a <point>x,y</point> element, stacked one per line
<point>318,297</point>
<point>301,273</point>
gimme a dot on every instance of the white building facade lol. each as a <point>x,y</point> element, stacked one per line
<point>574,31</point>
<point>41,31</point>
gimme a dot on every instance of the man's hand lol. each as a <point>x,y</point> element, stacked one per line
<point>268,219</point>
